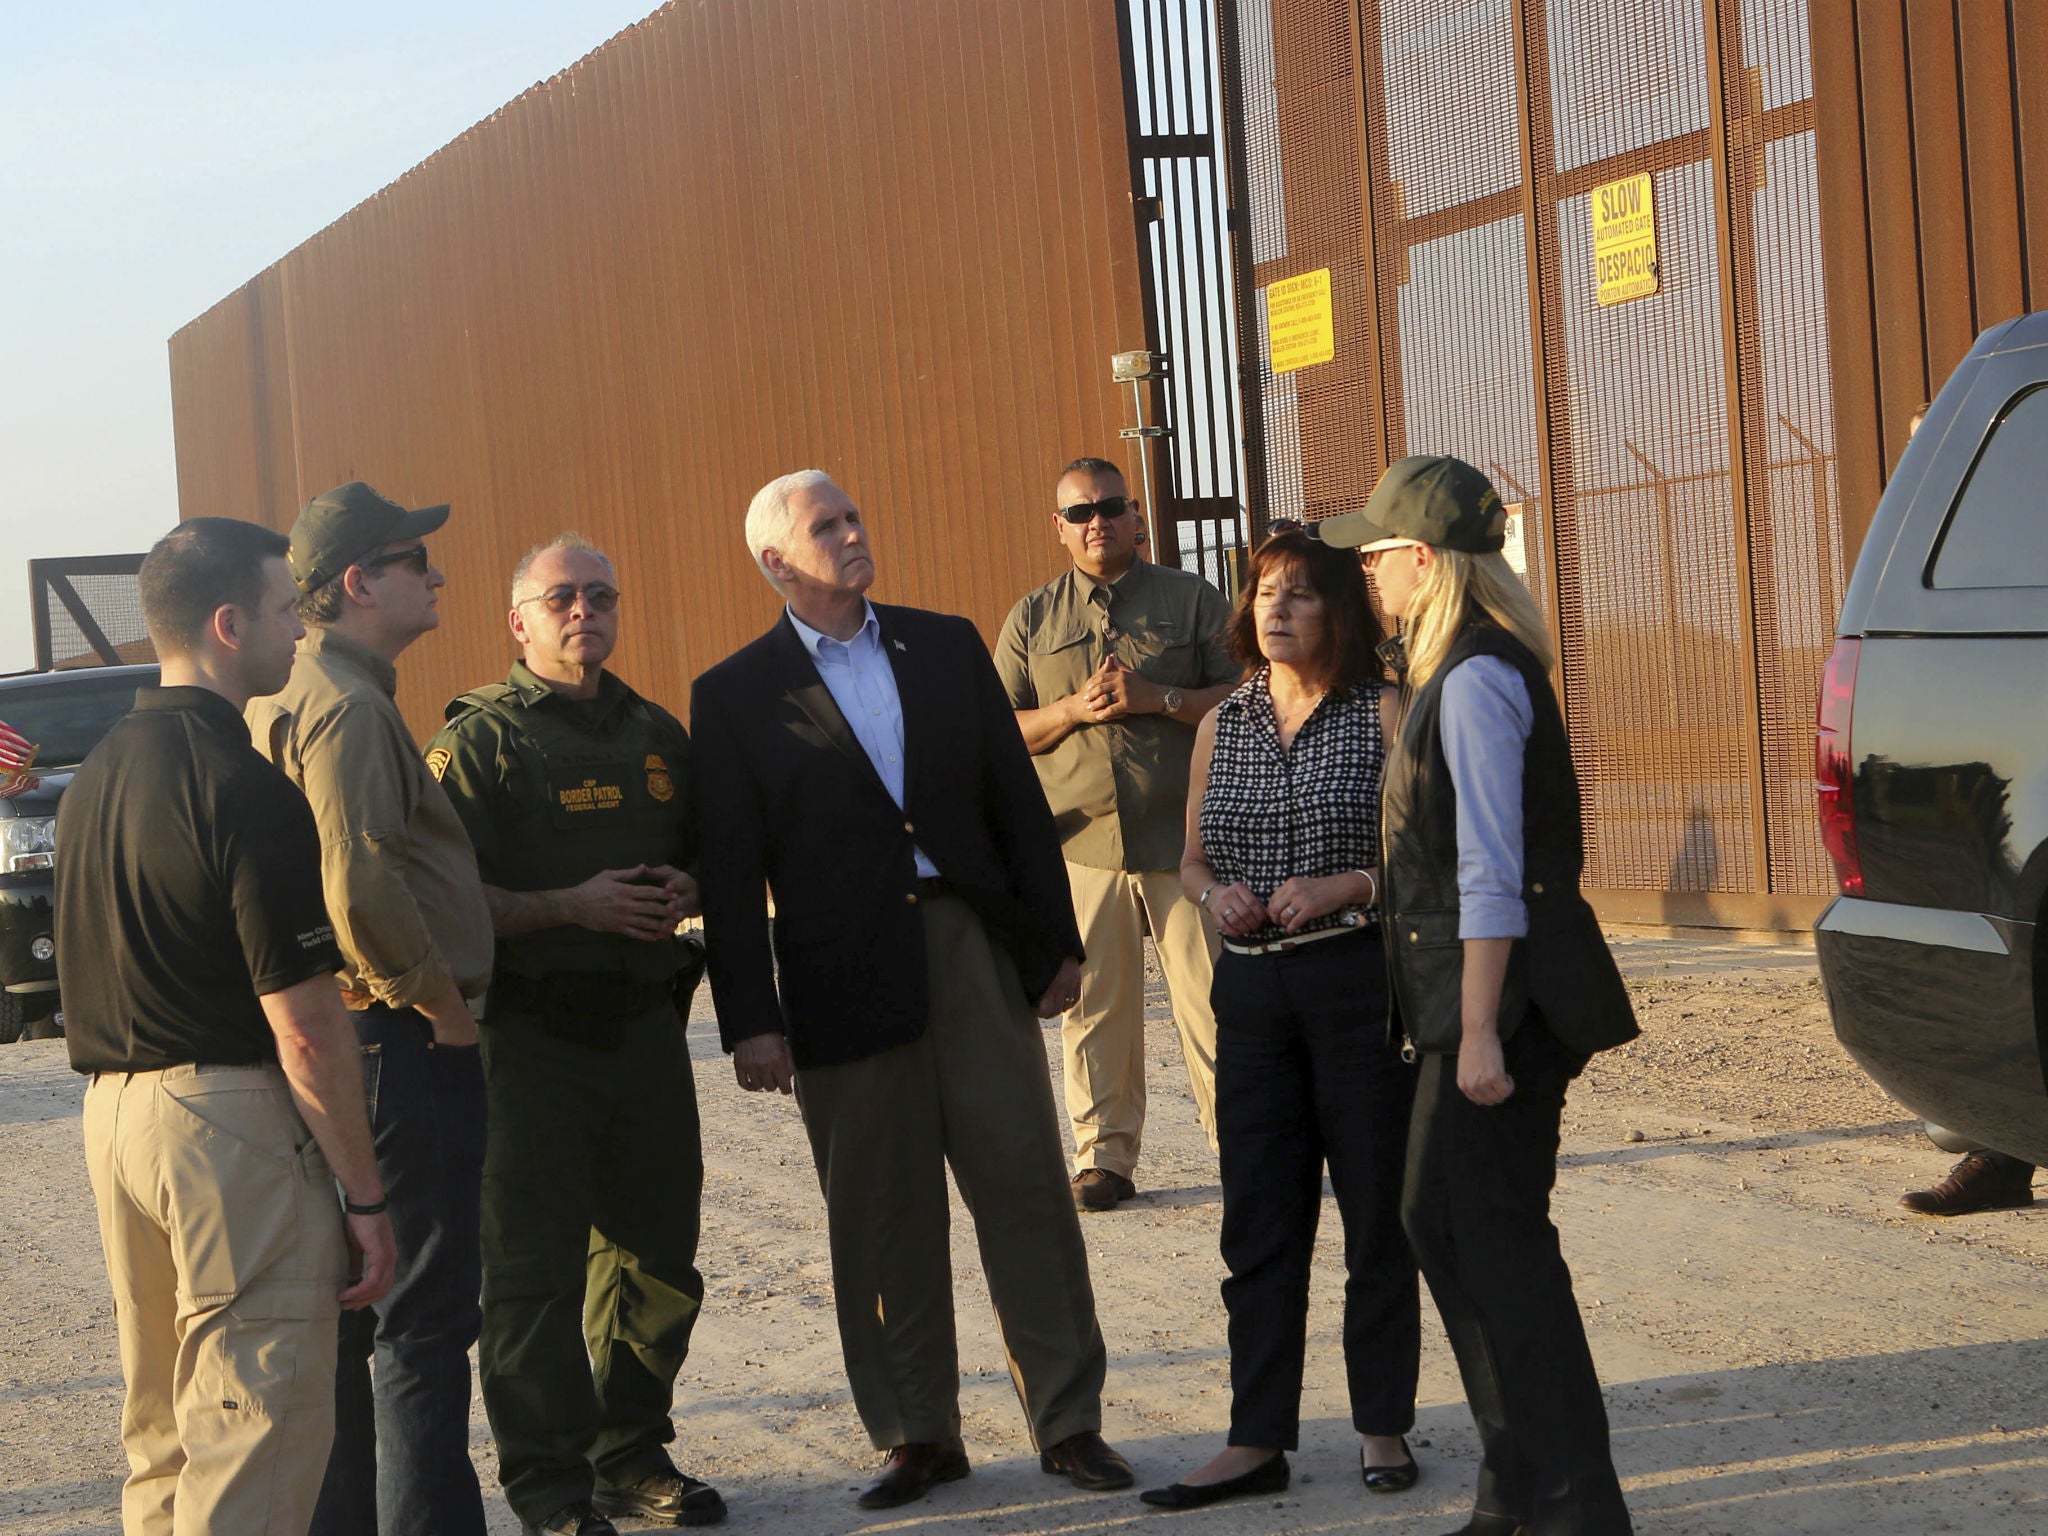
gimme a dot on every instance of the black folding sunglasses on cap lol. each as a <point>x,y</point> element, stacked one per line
<point>1087,511</point>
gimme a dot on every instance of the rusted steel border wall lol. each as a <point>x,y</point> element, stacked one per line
<point>1933,125</point>
<point>890,240</point>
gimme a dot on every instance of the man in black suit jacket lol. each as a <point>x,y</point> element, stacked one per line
<point>864,765</point>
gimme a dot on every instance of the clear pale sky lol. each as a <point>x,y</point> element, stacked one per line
<point>153,157</point>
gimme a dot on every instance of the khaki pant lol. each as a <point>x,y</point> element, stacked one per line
<point>972,1092</point>
<point>225,1250</point>
<point>1104,1033</point>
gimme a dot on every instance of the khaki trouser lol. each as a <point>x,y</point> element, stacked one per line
<point>225,1250</point>
<point>1104,1033</point>
<point>971,1091</point>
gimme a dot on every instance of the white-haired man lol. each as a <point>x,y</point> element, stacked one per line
<point>862,763</point>
<point>572,787</point>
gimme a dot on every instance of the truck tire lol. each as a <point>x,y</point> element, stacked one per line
<point>13,1016</point>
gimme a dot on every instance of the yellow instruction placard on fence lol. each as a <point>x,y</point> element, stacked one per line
<point>1625,239</point>
<point>1300,329</point>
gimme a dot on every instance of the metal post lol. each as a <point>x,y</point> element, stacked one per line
<point>1139,369</point>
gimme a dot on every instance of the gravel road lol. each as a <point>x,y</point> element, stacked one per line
<point>1785,1349</point>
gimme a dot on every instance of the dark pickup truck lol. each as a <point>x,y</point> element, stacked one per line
<point>1932,762</point>
<point>64,714</point>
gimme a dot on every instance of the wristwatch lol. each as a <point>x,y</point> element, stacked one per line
<point>1171,701</point>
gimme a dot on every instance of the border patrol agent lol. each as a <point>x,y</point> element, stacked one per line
<point>573,789</point>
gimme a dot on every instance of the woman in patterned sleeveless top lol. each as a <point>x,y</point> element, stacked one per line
<point>1282,851</point>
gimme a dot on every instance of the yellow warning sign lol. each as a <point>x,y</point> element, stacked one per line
<point>1300,330</point>
<point>1625,239</point>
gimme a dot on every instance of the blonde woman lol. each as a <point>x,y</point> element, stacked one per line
<point>1502,983</point>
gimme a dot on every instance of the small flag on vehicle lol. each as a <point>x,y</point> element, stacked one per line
<point>17,756</point>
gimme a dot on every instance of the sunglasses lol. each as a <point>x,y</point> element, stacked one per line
<point>1370,558</point>
<point>598,597</point>
<point>1087,511</point>
<point>416,557</point>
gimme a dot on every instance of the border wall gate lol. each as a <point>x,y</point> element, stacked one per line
<point>1577,244</point>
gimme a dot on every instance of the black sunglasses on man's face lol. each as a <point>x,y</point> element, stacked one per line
<point>1087,511</point>
<point>414,555</point>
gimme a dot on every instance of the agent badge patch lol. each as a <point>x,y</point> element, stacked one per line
<point>437,762</point>
<point>659,784</point>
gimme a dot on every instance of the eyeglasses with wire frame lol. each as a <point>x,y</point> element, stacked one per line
<point>598,597</point>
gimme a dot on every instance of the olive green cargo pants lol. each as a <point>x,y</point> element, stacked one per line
<point>592,1178</point>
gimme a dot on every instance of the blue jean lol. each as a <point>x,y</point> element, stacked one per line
<point>400,1464</point>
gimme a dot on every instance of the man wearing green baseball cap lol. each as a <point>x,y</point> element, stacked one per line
<point>414,926</point>
<point>352,521</point>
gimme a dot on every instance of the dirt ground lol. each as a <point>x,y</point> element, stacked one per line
<point>1784,1348</point>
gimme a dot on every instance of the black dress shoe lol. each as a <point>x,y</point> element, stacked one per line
<point>1267,1477</point>
<point>668,1498</point>
<point>577,1519</point>
<point>910,1472</point>
<point>1398,1478</point>
<point>1086,1461</point>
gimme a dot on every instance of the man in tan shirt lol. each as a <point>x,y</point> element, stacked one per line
<point>409,911</point>
<point>1110,666</point>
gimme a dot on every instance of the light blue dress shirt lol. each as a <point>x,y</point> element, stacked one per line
<point>862,683</point>
<point>1484,725</point>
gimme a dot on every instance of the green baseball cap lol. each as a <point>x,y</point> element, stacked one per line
<point>336,530</point>
<point>1423,499</point>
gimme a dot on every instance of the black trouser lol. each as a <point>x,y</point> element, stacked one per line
<point>1304,1076</point>
<point>1477,1208</point>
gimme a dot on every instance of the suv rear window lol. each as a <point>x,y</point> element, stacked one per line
<point>67,716</point>
<point>1997,534</point>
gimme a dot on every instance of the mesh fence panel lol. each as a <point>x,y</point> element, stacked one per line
<point>1688,545</point>
<point>113,604</point>
<point>1324,450</point>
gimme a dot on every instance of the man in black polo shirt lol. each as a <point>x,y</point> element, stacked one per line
<point>198,965</point>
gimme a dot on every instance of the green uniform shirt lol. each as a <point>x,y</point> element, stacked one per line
<point>1119,791</point>
<point>553,790</point>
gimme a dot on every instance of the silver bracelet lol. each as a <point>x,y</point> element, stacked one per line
<point>1202,901</point>
<point>1372,895</point>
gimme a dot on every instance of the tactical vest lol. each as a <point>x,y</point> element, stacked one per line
<point>1563,967</point>
<point>586,803</point>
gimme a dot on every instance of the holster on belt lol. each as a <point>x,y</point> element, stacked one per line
<point>584,1008</point>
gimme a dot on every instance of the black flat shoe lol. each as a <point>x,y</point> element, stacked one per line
<point>1267,1477</point>
<point>1398,1478</point>
<point>1484,1524</point>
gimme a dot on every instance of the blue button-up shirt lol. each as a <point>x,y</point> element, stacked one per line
<point>1484,725</point>
<point>862,683</point>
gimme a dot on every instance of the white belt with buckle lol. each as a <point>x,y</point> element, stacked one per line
<point>1290,944</point>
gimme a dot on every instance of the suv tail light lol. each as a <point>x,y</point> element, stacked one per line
<point>1833,772</point>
